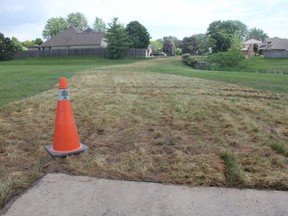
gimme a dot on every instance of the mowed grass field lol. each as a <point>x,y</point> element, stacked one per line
<point>23,78</point>
<point>258,73</point>
<point>144,123</point>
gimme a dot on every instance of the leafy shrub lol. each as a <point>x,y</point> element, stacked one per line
<point>225,60</point>
<point>7,48</point>
<point>189,60</point>
<point>178,51</point>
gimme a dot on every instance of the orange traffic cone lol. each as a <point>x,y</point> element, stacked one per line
<point>66,140</point>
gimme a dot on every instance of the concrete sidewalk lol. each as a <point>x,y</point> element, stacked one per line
<point>59,194</point>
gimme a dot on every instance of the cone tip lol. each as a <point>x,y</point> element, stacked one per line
<point>63,83</point>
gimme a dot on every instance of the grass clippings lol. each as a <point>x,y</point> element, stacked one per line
<point>146,126</point>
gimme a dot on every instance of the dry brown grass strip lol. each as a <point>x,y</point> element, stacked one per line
<point>150,127</point>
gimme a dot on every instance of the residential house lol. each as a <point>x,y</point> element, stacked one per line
<point>248,49</point>
<point>74,38</point>
<point>34,48</point>
<point>274,48</point>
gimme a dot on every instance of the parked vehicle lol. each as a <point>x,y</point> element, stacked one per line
<point>159,54</point>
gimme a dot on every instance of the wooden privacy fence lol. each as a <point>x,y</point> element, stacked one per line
<point>100,52</point>
<point>275,54</point>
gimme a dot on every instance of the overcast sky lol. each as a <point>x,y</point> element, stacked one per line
<point>25,19</point>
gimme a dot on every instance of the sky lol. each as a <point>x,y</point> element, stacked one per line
<point>25,19</point>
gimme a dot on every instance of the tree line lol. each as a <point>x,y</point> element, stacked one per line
<point>118,37</point>
<point>55,25</point>
<point>218,37</point>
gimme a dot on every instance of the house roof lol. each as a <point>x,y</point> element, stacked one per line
<point>252,41</point>
<point>89,30</point>
<point>274,44</point>
<point>74,37</point>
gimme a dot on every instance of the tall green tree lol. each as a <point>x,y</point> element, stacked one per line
<point>203,42</point>
<point>38,41</point>
<point>138,35</point>
<point>53,26</point>
<point>178,43</point>
<point>169,47</point>
<point>256,33</point>
<point>189,45</point>
<point>77,20</point>
<point>117,39</point>
<point>233,58</point>
<point>99,25</point>
<point>170,37</point>
<point>236,43</point>
<point>7,48</point>
<point>17,44</point>
<point>28,43</point>
<point>197,44</point>
<point>223,31</point>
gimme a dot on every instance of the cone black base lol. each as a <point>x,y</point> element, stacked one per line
<point>64,154</point>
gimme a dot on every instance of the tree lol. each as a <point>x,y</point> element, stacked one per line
<point>197,44</point>
<point>170,37</point>
<point>77,20</point>
<point>178,51</point>
<point>176,41</point>
<point>138,35</point>
<point>222,41</point>
<point>223,31</point>
<point>189,45</point>
<point>203,42</point>
<point>235,43</point>
<point>99,25</point>
<point>28,43</point>
<point>7,48</point>
<point>53,26</point>
<point>156,45</point>
<point>256,33</point>
<point>17,44</point>
<point>169,47</point>
<point>117,39</point>
<point>229,60</point>
<point>38,41</point>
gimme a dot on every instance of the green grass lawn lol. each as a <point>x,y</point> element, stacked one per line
<point>261,65</point>
<point>23,78</point>
<point>271,78</point>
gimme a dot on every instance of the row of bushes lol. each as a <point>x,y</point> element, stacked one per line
<point>190,60</point>
<point>219,61</point>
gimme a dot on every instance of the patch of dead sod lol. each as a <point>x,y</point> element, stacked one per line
<point>151,127</point>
